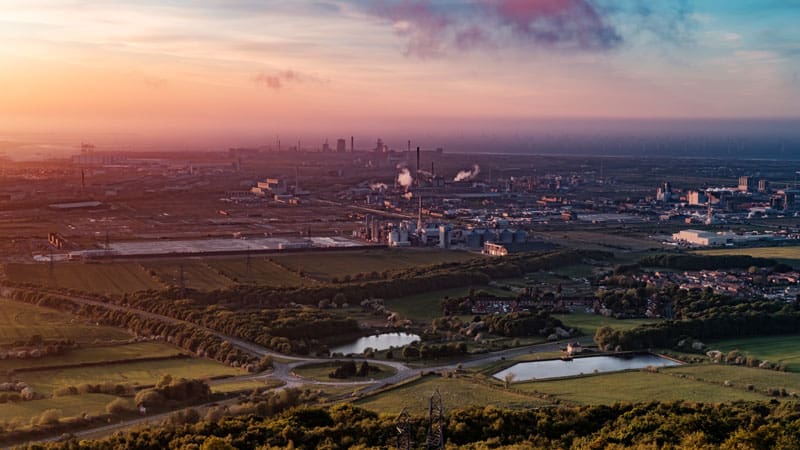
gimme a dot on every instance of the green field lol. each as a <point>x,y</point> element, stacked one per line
<point>776,349</point>
<point>789,255</point>
<point>589,323</point>
<point>320,372</point>
<point>761,379</point>
<point>257,271</point>
<point>456,393</point>
<point>637,387</point>
<point>96,354</point>
<point>196,274</point>
<point>118,278</point>
<point>133,373</point>
<point>70,406</point>
<point>20,321</point>
<point>112,278</point>
<point>426,307</point>
<point>326,266</point>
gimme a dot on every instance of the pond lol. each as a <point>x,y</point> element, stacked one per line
<point>381,341</point>
<point>543,370</point>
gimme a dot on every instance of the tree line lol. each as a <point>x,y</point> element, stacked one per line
<point>650,425</point>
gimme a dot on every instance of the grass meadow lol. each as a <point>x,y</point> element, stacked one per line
<point>21,321</point>
<point>782,349</point>
<point>324,266</point>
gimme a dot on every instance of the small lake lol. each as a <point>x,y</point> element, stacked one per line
<point>543,370</point>
<point>381,341</point>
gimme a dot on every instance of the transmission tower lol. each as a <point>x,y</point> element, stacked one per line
<point>403,431</point>
<point>435,439</point>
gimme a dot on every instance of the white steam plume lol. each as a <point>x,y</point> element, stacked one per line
<point>404,178</point>
<point>466,175</point>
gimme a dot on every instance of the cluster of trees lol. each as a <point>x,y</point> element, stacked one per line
<point>168,390</point>
<point>736,358</point>
<point>700,314</point>
<point>688,261</point>
<point>286,330</point>
<point>667,334</point>
<point>523,323</point>
<point>349,369</point>
<point>415,351</point>
<point>650,425</point>
<point>108,387</point>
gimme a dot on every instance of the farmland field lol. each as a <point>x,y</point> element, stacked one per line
<point>133,373</point>
<point>789,255</point>
<point>456,393</point>
<point>111,278</point>
<point>257,271</point>
<point>776,349</point>
<point>326,266</point>
<point>589,323</point>
<point>20,321</point>
<point>96,354</point>
<point>637,387</point>
<point>70,406</point>
<point>196,274</point>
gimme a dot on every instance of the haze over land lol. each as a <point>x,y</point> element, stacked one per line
<point>506,75</point>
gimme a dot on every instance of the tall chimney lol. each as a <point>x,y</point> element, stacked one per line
<point>352,142</point>
<point>418,166</point>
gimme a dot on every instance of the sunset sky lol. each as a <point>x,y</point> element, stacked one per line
<point>283,66</point>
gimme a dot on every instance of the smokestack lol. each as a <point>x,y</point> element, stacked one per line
<point>433,172</point>
<point>419,219</point>
<point>418,166</point>
<point>352,142</point>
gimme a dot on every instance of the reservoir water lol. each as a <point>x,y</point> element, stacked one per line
<point>381,341</point>
<point>543,370</point>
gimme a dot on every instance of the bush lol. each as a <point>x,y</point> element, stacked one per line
<point>48,417</point>
<point>117,406</point>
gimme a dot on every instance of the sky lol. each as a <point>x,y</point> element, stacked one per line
<point>243,71</point>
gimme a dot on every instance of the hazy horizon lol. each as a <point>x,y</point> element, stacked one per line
<point>215,73</point>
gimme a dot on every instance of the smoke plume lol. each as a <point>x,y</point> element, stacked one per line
<point>466,175</point>
<point>404,178</point>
